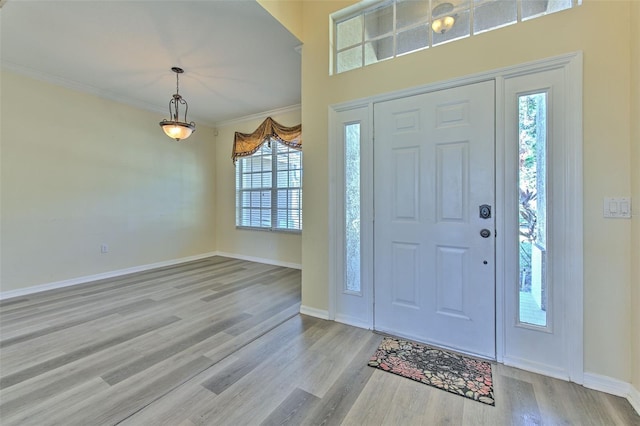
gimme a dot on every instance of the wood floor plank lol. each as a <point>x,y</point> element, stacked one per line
<point>52,364</point>
<point>110,407</point>
<point>139,304</point>
<point>41,414</point>
<point>292,410</point>
<point>368,409</point>
<point>252,356</point>
<point>163,352</point>
<point>522,402</point>
<point>337,403</point>
<point>220,341</point>
<point>31,394</point>
<point>184,401</point>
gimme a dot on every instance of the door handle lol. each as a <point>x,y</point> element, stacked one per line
<point>485,233</point>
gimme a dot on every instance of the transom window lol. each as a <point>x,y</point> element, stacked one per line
<point>397,27</point>
<point>269,188</point>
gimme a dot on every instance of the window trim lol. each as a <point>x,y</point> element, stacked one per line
<point>364,7</point>
<point>273,208</point>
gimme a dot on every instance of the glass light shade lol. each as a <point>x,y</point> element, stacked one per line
<point>444,24</point>
<point>176,129</point>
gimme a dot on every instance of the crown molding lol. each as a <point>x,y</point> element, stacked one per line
<point>91,90</point>
<point>260,115</point>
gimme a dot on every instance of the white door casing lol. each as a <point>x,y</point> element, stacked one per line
<point>434,274</point>
<point>349,306</point>
<point>537,348</point>
<point>568,234</point>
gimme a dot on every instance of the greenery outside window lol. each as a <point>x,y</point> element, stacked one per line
<point>269,188</point>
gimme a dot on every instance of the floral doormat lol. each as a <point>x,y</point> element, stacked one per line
<point>442,369</point>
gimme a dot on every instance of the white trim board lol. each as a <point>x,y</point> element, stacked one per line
<point>117,273</point>
<point>634,398</point>
<point>572,63</point>
<point>89,278</point>
<point>614,387</point>
<point>260,115</point>
<point>91,90</point>
<point>354,322</point>
<point>259,260</point>
<point>506,72</point>
<point>313,312</point>
<point>535,367</point>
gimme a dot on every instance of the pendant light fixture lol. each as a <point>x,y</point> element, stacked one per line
<point>443,19</point>
<point>174,128</point>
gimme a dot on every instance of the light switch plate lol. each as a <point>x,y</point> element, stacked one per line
<point>617,207</point>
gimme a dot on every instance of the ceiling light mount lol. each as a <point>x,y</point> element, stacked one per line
<point>443,18</point>
<point>174,128</point>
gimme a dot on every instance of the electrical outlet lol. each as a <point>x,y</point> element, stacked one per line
<point>104,248</point>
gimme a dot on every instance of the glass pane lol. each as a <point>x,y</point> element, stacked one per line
<point>459,29</point>
<point>489,14</point>
<point>378,22</point>
<point>282,180</point>
<point>349,59</point>
<point>535,8</point>
<point>266,199</point>
<point>413,39</point>
<point>266,180</point>
<point>411,12</point>
<point>282,199</point>
<point>349,32</point>
<point>532,130</point>
<point>352,206</point>
<point>557,5</point>
<point>378,50</point>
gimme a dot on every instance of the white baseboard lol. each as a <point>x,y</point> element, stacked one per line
<point>88,278</point>
<point>260,260</point>
<point>634,398</point>
<point>111,274</point>
<point>535,367</point>
<point>353,321</point>
<point>606,384</point>
<point>613,387</point>
<point>313,312</point>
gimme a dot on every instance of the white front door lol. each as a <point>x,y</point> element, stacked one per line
<point>434,267</point>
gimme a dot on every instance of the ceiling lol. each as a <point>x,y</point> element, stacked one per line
<point>238,60</point>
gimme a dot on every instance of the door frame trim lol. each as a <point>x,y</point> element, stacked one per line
<point>573,248</point>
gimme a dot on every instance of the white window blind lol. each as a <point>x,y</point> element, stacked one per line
<point>269,189</point>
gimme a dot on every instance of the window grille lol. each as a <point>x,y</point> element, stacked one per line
<point>397,27</point>
<point>269,188</point>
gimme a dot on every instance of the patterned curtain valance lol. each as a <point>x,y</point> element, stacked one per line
<point>245,144</point>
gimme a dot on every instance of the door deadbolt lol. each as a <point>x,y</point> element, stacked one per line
<point>485,233</point>
<point>485,211</point>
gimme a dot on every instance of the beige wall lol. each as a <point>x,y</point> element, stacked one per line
<point>288,13</point>
<point>279,247</point>
<point>635,187</point>
<point>607,243</point>
<point>78,171</point>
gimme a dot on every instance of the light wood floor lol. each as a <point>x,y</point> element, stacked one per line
<point>220,342</point>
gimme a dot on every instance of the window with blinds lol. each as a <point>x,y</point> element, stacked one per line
<point>269,189</point>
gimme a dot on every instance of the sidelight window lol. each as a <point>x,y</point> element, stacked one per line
<point>352,206</point>
<point>532,184</point>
